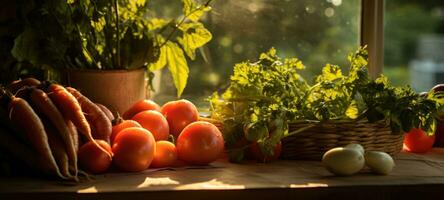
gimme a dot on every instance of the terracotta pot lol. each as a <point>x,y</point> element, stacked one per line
<point>116,89</point>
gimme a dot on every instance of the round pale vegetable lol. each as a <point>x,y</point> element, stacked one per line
<point>379,162</point>
<point>356,147</point>
<point>343,161</point>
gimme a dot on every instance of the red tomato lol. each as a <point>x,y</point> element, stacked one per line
<point>257,154</point>
<point>133,149</point>
<point>179,114</point>
<point>200,143</point>
<point>140,106</point>
<point>119,127</point>
<point>417,141</point>
<point>92,159</point>
<point>165,156</point>
<point>155,122</point>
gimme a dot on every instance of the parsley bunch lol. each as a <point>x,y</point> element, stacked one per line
<point>264,96</point>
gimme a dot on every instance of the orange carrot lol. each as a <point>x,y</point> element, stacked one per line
<point>25,153</point>
<point>57,147</point>
<point>15,86</point>
<point>71,109</point>
<point>29,126</point>
<point>44,105</point>
<point>107,112</point>
<point>100,124</point>
<point>74,135</point>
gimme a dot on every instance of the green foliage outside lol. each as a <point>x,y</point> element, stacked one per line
<point>243,29</point>
<point>405,23</point>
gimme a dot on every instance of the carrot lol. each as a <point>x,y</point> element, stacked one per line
<point>44,105</point>
<point>74,135</point>
<point>29,126</point>
<point>15,86</point>
<point>24,153</point>
<point>70,109</point>
<point>57,147</point>
<point>107,112</point>
<point>100,124</point>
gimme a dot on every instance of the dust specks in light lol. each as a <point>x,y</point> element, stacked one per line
<point>310,9</point>
<point>238,48</point>
<point>335,2</point>
<point>329,12</point>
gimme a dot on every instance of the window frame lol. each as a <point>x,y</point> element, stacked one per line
<point>372,34</point>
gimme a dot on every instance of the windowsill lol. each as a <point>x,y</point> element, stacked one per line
<point>424,173</point>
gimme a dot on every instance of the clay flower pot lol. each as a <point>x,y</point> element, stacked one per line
<point>116,89</point>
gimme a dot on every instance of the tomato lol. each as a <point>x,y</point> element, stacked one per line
<point>92,159</point>
<point>140,106</point>
<point>256,153</point>
<point>179,114</point>
<point>165,155</point>
<point>417,141</point>
<point>155,122</point>
<point>123,125</point>
<point>200,143</point>
<point>133,149</point>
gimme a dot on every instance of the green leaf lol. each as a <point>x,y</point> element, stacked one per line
<point>177,64</point>
<point>99,24</point>
<point>255,131</point>
<point>25,46</point>
<point>161,61</point>
<point>330,73</point>
<point>193,11</point>
<point>352,110</point>
<point>157,23</point>
<point>195,35</point>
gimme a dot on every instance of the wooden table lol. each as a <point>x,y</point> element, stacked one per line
<point>414,176</point>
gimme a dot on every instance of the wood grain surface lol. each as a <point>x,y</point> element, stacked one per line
<point>419,175</point>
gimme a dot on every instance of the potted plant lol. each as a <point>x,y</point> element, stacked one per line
<point>106,48</point>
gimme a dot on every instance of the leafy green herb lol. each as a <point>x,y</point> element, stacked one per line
<point>264,96</point>
<point>117,34</point>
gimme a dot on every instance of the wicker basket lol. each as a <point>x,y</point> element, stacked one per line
<point>312,143</point>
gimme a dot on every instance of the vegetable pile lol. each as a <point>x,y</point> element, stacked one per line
<point>43,125</point>
<point>265,96</point>
<point>58,132</point>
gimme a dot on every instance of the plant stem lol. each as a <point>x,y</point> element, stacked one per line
<point>182,21</point>
<point>117,35</point>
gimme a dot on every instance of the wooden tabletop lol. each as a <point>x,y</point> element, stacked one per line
<point>414,175</point>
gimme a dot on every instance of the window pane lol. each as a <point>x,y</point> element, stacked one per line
<point>414,43</point>
<point>315,31</point>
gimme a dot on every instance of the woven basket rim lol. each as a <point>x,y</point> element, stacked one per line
<point>308,121</point>
<point>336,121</point>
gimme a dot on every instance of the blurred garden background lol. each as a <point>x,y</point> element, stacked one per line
<point>317,32</point>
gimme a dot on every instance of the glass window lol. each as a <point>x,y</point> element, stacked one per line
<point>414,43</point>
<point>315,31</point>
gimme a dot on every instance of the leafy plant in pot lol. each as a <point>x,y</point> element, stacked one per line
<point>106,48</point>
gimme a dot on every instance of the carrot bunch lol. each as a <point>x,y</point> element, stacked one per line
<point>42,124</point>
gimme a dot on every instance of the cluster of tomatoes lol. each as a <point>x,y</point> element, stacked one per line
<point>140,140</point>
